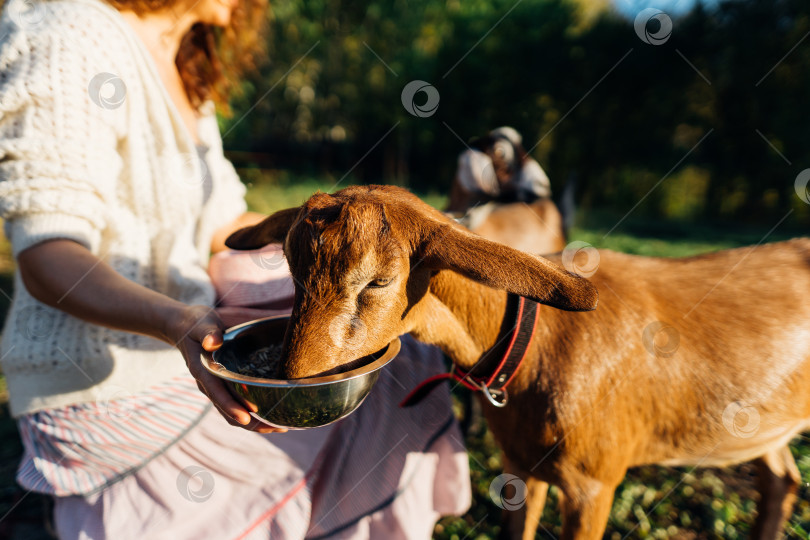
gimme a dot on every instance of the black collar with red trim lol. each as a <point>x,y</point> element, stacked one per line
<point>519,324</point>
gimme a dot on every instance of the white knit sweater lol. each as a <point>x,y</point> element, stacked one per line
<point>93,149</point>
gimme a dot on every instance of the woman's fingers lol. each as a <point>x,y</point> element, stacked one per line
<point>225,416</point>
<point>214,388</point>
<point>212,341</point>
<point>219,394</point>
<point>252,407</point>
<point>208,332</point>
<point>254,425</point>
<point>205,336</point>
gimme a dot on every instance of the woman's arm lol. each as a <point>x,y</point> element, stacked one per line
<point>65,275</point>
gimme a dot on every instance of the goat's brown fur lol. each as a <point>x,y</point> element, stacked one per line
<point>596,394</point>
<point>535,227</point>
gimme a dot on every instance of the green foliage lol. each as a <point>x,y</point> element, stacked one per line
<point>270,191</point>
<point>589,97</point>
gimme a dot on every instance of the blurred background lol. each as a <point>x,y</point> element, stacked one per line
<point>685,133</point>
<point>718,110</point>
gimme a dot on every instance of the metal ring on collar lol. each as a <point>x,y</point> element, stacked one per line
<point>491,396</point>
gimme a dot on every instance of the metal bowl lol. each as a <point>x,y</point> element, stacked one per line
<point>295,403</point>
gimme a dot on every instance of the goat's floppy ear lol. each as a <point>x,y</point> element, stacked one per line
<point>273,229</point>
<point>501,267</point>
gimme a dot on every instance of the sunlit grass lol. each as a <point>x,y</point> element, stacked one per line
<point>270,191</point>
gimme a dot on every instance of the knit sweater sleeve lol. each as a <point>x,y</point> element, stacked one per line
<point>61,117</point>
<point>229,203</point>
<point>232,202</point>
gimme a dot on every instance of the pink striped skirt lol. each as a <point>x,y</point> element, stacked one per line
<point>382,472</point>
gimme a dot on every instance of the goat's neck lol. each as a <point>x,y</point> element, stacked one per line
<point>460,316</point>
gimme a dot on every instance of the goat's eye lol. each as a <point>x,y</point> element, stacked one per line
<point>378,283</point>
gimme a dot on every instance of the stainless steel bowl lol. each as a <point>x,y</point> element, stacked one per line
<point>295,403</point>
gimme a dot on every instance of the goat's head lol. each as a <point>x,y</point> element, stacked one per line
<point>362,260</point>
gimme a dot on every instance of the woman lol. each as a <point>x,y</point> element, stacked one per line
<point>114,190</point>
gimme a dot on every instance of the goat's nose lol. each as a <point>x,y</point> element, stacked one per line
<point>310,356</point>
<point>347,332</point>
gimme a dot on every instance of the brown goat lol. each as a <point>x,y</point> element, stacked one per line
<point>598,392</point>
<point>505,196</point>
<point>535,227</point>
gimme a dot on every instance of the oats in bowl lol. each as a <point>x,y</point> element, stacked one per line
<point>263,363</point>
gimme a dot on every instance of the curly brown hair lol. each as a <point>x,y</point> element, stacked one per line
<point>211,60</point>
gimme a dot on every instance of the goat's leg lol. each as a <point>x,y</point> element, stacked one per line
<point>521,523</point>
<point>778,479</point>
<point>586,509</point>
<point>535,502</point>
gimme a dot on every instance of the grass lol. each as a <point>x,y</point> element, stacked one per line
<point>272,191</point>
<point>652,502</point>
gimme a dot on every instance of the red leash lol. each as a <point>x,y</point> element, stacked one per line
<point>493,385</point>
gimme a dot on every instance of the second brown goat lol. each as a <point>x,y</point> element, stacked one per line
<point>697,361</point>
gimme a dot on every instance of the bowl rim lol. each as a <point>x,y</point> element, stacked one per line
<point>210,363</point>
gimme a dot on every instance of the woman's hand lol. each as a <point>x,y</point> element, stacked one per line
<point>88,288</point>
<point>197,330</point>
